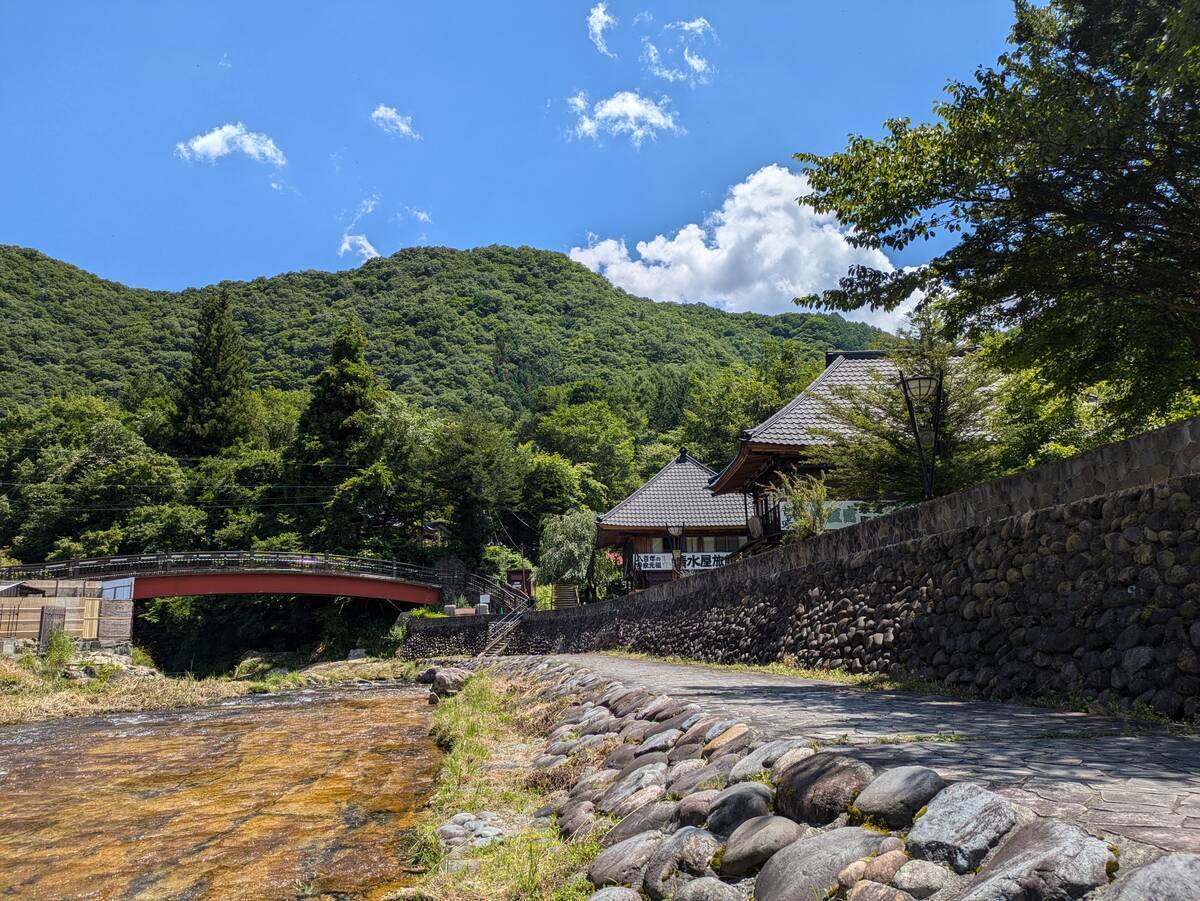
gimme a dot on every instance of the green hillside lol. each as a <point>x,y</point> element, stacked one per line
<point>451,329</point>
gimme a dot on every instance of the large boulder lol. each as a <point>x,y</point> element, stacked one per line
<point>638,762</point>
<point>737,737</point>
<point>962,823</point>
<point>787,759</point>
<point>615,893</point>
<point>714,775</point>
<point>709,888</point>
<point>653,774</point>
<point>736,804</point>
<point>894,797</point>
<point>684,856</point>
<point>884,867</point>
<point>625,863</point>
<point>762,759</point>
<point>658,816</point>
<point>659,741</point>
<point>647,794</point>
<point>808,868</point>
<point>577,819</point>
<point>693,810</point>
<point>821,788</point>
<point>449,680</point>
<point>756,840</point>
<point>868,890</point>
<point>1175,877</point>
<point>1045,859</point>
<point>921,878</point>
<point>597,781</point>
<point>620,758</point>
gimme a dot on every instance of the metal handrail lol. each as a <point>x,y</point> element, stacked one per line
<point>210,561</point>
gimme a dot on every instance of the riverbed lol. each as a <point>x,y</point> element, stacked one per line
<point>278,796</point>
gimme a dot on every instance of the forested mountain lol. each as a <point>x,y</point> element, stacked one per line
<point>480,329</point>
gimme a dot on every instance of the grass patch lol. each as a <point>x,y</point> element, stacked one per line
<point>491,731</point>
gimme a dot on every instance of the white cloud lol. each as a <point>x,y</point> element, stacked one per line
<point>757,252</point>
<point>644,16</point>
<point>663,62</point>
<point>697,27</point>
<point>597,21</point>
<point>654,64</point>
<point>697,63</point>
<point>223,62</point>
<point>624,113</point>
<point>420,215</point>
<point>357,242</point>
<point>389,119</point>
<point>231,138</point>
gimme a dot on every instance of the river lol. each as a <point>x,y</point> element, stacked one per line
<point>275,796</point>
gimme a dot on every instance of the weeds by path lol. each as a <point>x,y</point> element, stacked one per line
<point>491,732</point>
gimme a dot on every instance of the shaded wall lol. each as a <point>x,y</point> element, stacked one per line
<point>1087,587</point>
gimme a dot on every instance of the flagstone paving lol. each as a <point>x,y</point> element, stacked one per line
<point>1127,780</point>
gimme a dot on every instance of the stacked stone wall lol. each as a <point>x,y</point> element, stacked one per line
<point>445,637</point>
<point>1094,594</point>
<point>1097,599</point>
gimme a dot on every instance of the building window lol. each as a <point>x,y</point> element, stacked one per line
<point>709,544</point>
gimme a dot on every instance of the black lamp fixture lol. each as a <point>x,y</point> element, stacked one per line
<point>676,532</point>
<point>924,391</point>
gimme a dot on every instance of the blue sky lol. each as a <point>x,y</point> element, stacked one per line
<point>176,144</point>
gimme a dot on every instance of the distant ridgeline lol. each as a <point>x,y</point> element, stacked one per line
<point>481,329</point>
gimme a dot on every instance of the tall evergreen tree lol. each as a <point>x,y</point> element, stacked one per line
<point>332,436</point>
<point>476,471</point>
<point>212,402</point>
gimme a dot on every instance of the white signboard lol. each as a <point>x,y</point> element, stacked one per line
<point>688,561</point>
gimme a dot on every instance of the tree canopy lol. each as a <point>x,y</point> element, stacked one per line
<point>1068,177</point>
<point>212,409</point>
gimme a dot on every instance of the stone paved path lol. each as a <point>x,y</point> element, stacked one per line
<point>1124,780</point>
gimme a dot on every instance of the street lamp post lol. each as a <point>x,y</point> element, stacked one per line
<point>924,390</point>
<point>676,532</point>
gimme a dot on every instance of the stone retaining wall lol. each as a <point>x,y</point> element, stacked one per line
<point>445,637</point>
<point>1095,596</point>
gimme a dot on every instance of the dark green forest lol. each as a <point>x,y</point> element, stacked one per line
<point>480,329</point>
<point>480,395</point>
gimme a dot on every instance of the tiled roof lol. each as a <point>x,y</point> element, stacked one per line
<point>678,495</point>
<point>796,423</point>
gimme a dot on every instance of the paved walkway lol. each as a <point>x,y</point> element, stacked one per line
<point>1125,780</point>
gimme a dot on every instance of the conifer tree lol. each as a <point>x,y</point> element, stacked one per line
<point>212,409</point>
<point>331,439</point>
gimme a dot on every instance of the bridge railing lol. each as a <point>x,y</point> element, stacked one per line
<point>267,561</point>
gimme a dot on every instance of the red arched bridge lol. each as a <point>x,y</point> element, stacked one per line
<point>37,608</point>
<point>254,572</point>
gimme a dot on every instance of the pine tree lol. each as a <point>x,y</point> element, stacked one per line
<point>212,409</point>
<point>331,439</point>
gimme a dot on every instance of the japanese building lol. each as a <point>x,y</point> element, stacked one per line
<point>780,443</point>
<point>673,525</point>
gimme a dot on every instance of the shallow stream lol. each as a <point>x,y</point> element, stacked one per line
<point>278,796</point>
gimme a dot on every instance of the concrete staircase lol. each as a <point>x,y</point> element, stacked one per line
<point>565,595</point>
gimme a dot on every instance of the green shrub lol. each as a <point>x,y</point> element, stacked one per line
<point>59,652</point>
<point>141,657</point>
<point>426,613</point>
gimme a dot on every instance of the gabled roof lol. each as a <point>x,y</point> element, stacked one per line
<point>677,495</point>
<point>797,423</point>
